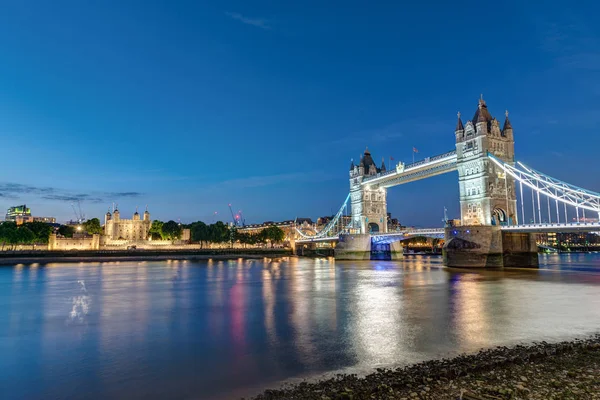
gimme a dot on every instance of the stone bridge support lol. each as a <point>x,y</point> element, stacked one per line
<point>489,247</point>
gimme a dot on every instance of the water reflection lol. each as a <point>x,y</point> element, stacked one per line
<point>220,329</point>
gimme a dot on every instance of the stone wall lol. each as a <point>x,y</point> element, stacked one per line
<point>76,243</point>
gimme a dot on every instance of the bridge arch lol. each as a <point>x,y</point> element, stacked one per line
<point>499,217</point>
<point>374,227</point>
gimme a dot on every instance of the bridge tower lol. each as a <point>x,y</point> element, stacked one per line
<point>369,206</point>
<point>487,195</point>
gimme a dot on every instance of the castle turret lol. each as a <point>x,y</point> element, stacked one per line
<point>116,214</point>
<point>459,130</point>
<point>136,215</point>
<point>361,166</point>
<point>107,217</point>
<point>146,215</point>
<point>482,118</point>
<point>507,130</point>
<point>369,165</point>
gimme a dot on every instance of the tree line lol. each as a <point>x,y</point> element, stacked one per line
<point>217,233</point>
<point>220,233</point>
<point>29,233</point>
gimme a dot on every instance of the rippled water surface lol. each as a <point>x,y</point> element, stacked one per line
<point>224,329</point>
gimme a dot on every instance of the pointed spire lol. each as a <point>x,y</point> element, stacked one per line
<point>351,164</point>
<point>482,114</point>
<point>367,150</point>
<point>383,169</point>
<point>507,124</point>
<point>459,124</point>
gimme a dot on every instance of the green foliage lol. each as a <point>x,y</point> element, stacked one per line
<point>12,235</point>
<point>275,234</point>
<point>220,233</point>
<point>171,230</point>
<point>92,226</point>
<point>41,231</point>
<point>156,230</point>
<point>199,232</point>
<point>66,231</point>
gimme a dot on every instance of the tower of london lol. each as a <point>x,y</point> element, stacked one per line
<point>116,228</point>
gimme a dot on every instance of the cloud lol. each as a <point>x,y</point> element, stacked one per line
<point>569,39</point>
<point>392,132</point>
<point>257,22</point>
<point>269,180</point>
<point>12,190</point>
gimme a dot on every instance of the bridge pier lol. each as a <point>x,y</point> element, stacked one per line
<point>489,247</point>
<point>396,250</point>
<point>358,247</point>
<point>353,247</point>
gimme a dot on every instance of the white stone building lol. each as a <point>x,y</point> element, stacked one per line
<point>116,228</point>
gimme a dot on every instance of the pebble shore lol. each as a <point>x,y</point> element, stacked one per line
<point>566,370</point>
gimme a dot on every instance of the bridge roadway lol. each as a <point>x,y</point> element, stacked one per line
<point>430,166</point>
<point>439,232</point>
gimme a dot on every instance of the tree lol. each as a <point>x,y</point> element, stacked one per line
<point>171,230</point>
<point>66,231</point>
<point>275,234</point>
<point>219,232</point>
<point>92,226</point>
<point>8,233</point>
<point>156,232</point>
<point>24,236</point>
<point>41,230</point>
<point>199,232</point>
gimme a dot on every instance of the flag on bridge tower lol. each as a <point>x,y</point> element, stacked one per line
<point>415,150</point>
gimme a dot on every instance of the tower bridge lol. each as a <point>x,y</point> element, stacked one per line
<point>493,229</point>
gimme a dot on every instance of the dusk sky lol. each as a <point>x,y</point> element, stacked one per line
<point>189,106</point>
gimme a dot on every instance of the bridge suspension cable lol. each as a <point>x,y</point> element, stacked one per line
<point>330,225</point>
<point>552,188</point>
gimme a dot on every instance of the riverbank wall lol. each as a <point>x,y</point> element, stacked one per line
<point>45,256</point>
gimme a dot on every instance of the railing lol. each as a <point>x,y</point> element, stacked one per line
<point>430,159</point>
<point>414,165</point>
<point>558,226</point>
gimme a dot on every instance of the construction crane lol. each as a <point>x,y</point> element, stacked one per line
<point>241,218</point>
<point>79,216</point>
<point>232,216</point>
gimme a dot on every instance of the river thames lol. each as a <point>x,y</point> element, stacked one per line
<point>225,329</point>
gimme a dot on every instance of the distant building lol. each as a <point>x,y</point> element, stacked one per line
<point>22,215</point>
<point>116,228</point>
<point>17,211</point>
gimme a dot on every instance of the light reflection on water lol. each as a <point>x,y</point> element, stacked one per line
<point>219,329</point>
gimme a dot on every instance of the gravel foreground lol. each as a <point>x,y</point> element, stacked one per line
<point>566,370</point>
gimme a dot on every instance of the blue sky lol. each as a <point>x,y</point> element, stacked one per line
<point>189,106</point>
